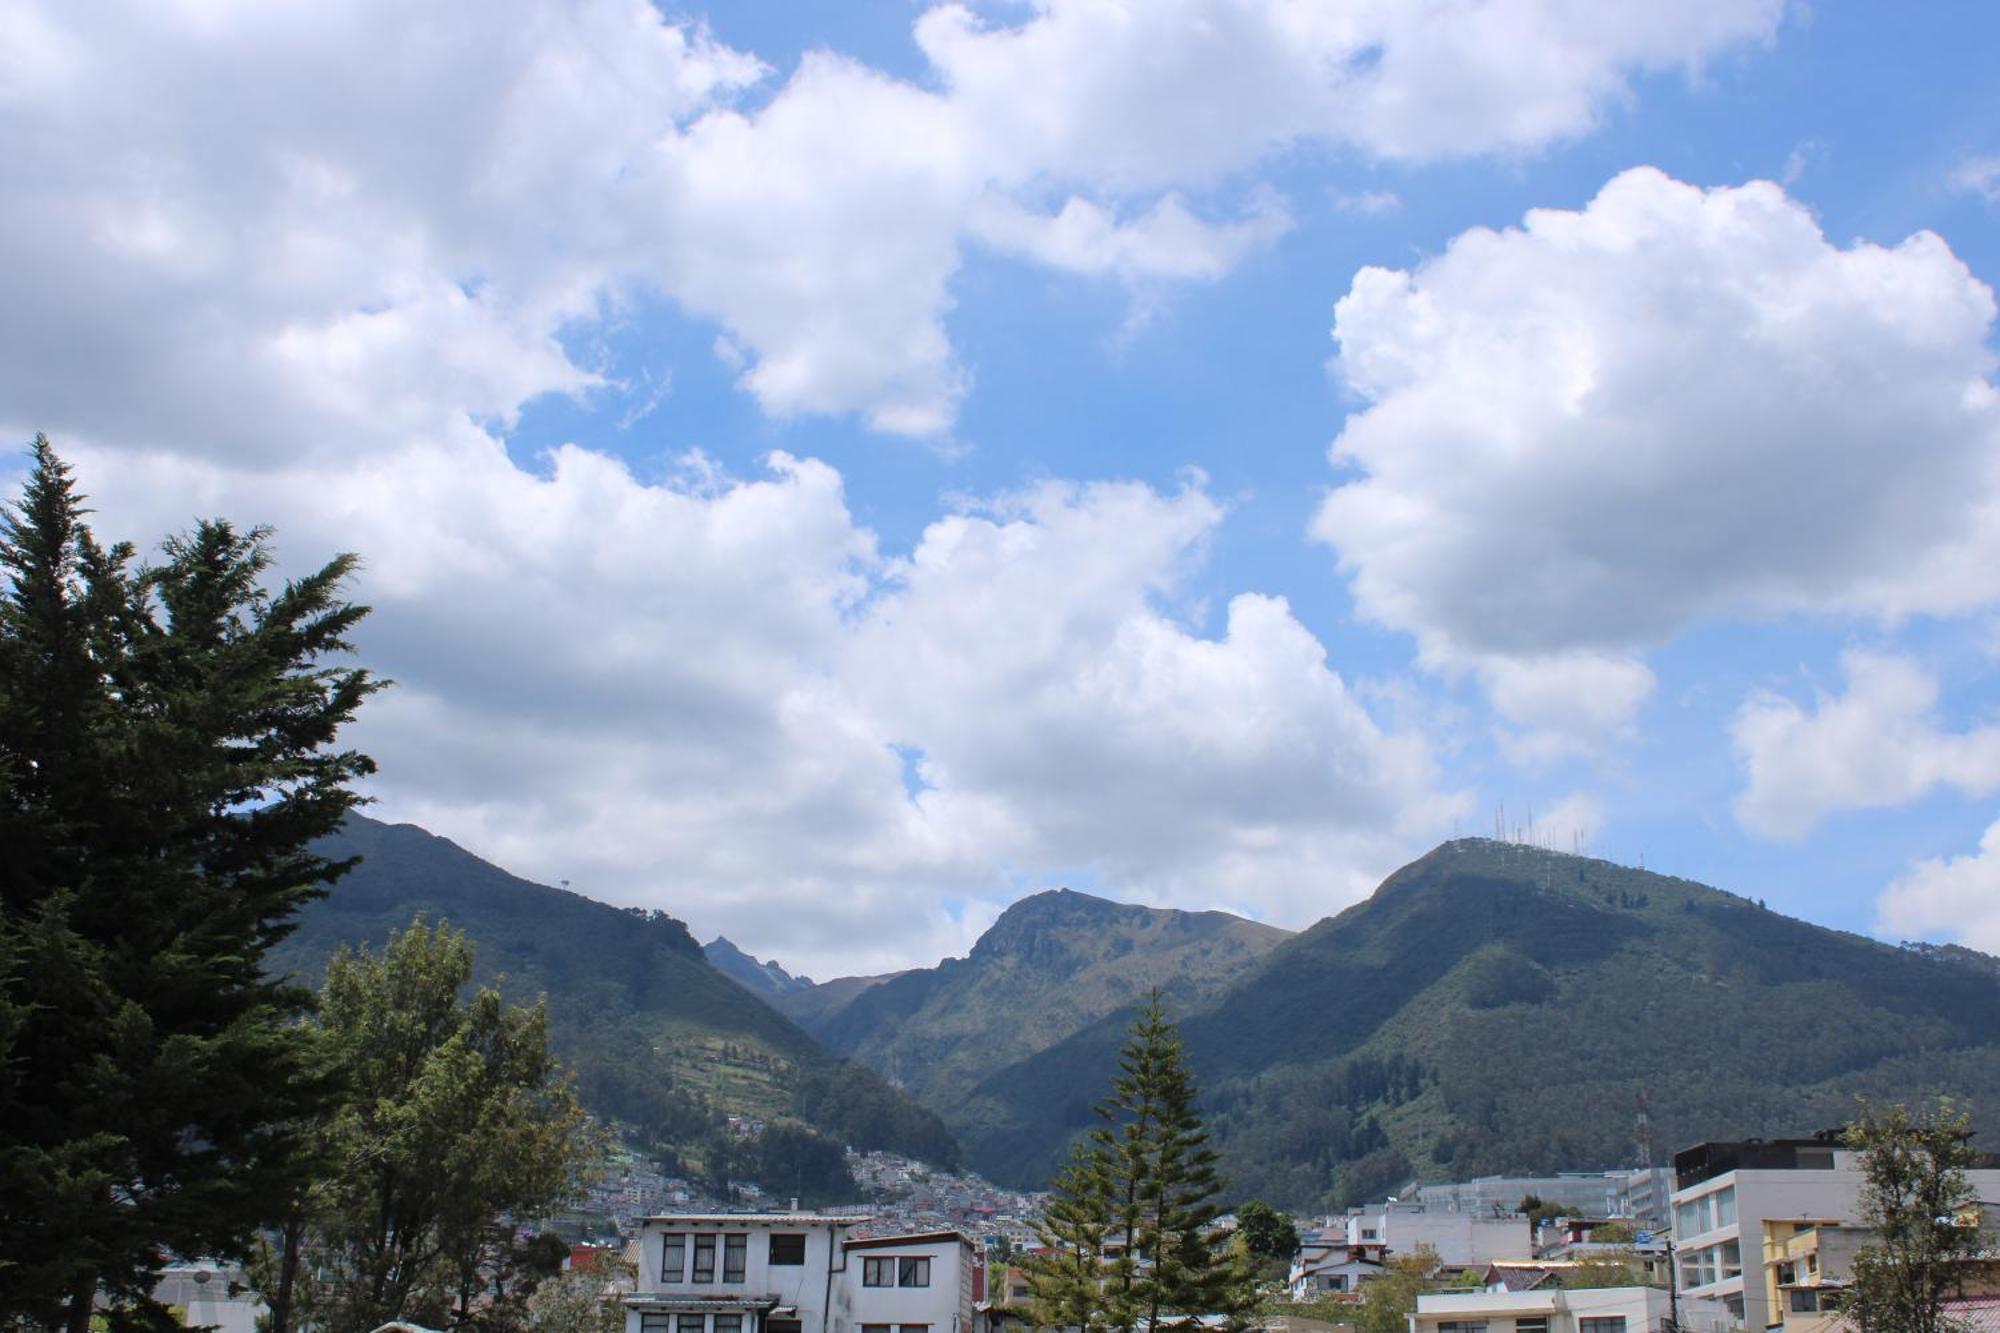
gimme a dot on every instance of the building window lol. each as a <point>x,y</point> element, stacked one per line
<point>1462,1326</point>
<point>788,1247</point>
<point>913,1328</point>
<point>1368,1233</point>
<point>729,1323</point>
<point>1602,1324</point>
<point>1725,1206</point>
<point>656,1323</point>
<point>673,1257</point>
<point>1732,1259</point>
<point>690,1323</point>
<point>704,1259</point>
<point>878,1328</point>
<point>913,1272</point>
<point>734,1248</point>
<point>878,1273</point>
<point>781,1326</point>
<point>1539,1325</point>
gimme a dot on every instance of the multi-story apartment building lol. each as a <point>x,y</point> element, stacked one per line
<point>797,1273</point>
<point>1728,1196</point>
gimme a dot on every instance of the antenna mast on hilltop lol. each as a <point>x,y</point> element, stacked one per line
<point>1642,1132</point>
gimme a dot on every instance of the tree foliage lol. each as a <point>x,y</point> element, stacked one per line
<point>1389,1299</point>
<point>1924,1211</point>
<point>167,757</point>
<point>453,1124</point>
<point>1128,1230</point>
<point>1266,1232</point>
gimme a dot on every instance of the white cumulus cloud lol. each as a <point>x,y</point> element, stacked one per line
<point>1877,745</point>
<point>1953,896</point>
<point>1580,435</point>
<point>242,210</point>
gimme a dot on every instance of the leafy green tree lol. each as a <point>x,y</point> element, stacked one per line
<point>1387,1301</point>
<point>1924,1211</point>
<point>454,1122</point>
<point>1134,1245</point>
<point>167,759</point>
<point>580,1301</point>
<point>1267,1233</point>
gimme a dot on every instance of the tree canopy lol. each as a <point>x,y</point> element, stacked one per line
<point>1917,1199</point>
<point>168,754</point>
<point>1128,1230</point>
<point>454,1122</point>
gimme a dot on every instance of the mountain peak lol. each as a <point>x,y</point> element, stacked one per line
<point>758,976</point>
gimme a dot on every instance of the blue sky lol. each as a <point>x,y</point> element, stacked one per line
<point>828,470</point>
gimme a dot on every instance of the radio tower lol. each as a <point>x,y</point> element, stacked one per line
<point>1642,1132</point>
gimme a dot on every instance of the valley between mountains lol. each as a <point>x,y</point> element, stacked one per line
<point>1492,1007</point>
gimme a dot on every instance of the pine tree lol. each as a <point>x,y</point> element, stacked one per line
<point>1129,1226</point>
<point>166,760</point>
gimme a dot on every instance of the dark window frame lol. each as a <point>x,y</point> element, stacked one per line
<point>913,1270</point>
<point>794,1244</point>
<point>735,1256</point>
<point>704,1249</point>
<point>673,1257</point>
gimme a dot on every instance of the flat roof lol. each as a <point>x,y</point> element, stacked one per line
<point>910,1238</point>
<point>762,1219</point>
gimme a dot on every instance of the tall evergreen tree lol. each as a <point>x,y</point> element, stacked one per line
<point>167,757</point>
<point>1129,1231</point>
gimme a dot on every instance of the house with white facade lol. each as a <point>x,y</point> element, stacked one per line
<point>1326,1265</point>
<point>797,1273</point>
<point>1556,1310</point>
<point>1460,1239</point>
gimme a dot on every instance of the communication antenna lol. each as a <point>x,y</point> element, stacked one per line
<point>1642,1132</point>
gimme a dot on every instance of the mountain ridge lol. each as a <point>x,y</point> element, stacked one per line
<point>1496,1008</point>
<point>655,1036</point>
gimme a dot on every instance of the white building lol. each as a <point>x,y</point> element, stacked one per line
<point>1726,1192</point>
<point>796,1273</point>
<point>1326,1265</point>
<point>1458,1238</point>
<point>1640,1194</point>
<point>1555,1310</point>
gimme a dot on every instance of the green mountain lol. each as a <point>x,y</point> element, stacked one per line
<point>812,1006</point>
<point>1053,964</point>
<point>1497,1008</point>
<point>655,1036</point>
<point>761,979</point>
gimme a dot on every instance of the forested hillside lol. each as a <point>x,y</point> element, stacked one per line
<point>1054,963</point>
<point>655,1036</point>
<point>1497,1008</point>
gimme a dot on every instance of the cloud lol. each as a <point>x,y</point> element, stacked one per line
<point>1876,746</point>
<point>1557,706</point>
<point>1955,896</point>
<point>260,217</point>
<point>700,693</point>
<point>1369,203</point>
<point>1581,435</point>
<point>1980,176</point>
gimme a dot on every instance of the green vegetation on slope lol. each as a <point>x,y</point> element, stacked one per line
<point>656,1037</point>
<point>1051,965</point>
<point>1497,1008</point>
